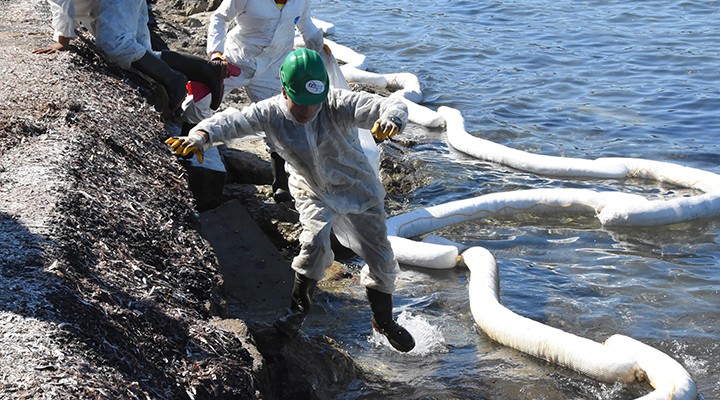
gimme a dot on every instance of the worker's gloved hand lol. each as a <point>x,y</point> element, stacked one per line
<point>386,127</point>
<point>55,47</point>
<point>326,49</point>
<point>232,69</point>
<point>186,146</point>
<point>62,44</point>
<point>215,56</point>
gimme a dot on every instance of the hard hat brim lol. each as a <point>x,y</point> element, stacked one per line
<point>307,99</point>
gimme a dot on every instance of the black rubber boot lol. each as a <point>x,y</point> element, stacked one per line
<point>280,187</point>
<point>382,321</point>
<point>291,322</point>
<point>210,73</point>
<point>186,127</point>
<point>173,81</point>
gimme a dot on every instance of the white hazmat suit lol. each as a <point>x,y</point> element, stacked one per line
<point>122,31</point>
<point>67,15</point>
<point>258,43</point>
<point>119,26</point>
<point>335,187</point>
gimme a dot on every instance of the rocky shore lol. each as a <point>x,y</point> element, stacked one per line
<point>112,285</point>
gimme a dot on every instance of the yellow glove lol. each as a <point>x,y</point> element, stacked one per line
<point>327,50</point>
<point>386,127</point>
<point>186,146</point>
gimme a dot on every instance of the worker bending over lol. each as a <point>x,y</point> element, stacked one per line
<point>334,185</point>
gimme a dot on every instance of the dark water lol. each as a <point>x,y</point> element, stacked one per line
<point>581,79</point>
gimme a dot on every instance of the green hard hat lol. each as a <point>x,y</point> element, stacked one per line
<point>304,77</point>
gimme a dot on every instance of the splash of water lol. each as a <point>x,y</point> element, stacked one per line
<point>428,338</point>
<point>695,365</point>
<point>607,392</point>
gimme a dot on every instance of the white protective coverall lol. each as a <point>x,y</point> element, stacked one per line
<point>122,32</point>
<point>334,185</point>
<point>69,14</point>
<point>258,43</point>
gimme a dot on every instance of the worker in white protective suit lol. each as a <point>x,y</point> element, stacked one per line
<point>335,187</point>
<point>67,16</point>
<point>121,33</point>
<point>124,37</point>
<point>263,34</point>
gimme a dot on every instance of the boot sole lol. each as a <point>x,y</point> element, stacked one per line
<point>223,72</point>
<point>396,345</point>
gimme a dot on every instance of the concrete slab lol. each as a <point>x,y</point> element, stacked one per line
<point>256,274</point>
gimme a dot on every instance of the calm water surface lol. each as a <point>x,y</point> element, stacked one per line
<point>567,78</point>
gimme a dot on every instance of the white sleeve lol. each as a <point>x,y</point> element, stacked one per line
<point>311,34</point>
<point>63,18</point>
<point>231,124</point>
<point>365,108</point>
<point>218,24</point>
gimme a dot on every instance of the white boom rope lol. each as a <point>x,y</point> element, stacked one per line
<point>620,358</point>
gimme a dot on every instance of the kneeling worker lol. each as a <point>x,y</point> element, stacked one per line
<point>334,185</point>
